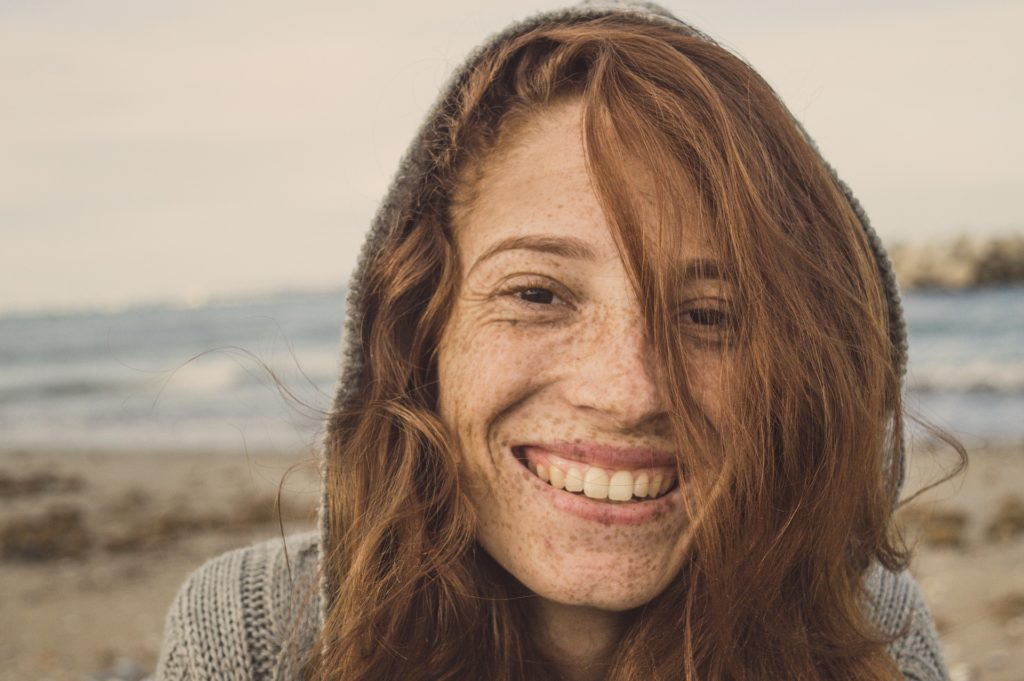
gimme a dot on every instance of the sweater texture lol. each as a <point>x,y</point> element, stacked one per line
<point>245,616</point>
<point>253,613</point>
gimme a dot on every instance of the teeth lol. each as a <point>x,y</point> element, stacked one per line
<point>655,486</point>
<point>557,477</point>
<point>573,480</point>
<point>595,483</point>
<point>620,487</point>
<point>640,484</point>
<point>598,483</point>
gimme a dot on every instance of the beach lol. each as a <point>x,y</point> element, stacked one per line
<point>139,443</point>
<point>95,545</point>
<point>969,557</point>
<point>87,598</point>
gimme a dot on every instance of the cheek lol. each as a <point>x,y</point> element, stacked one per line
<point>482,372</point>
<point>709,386</point>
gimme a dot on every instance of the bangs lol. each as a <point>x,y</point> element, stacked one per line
<point>653,166</point>
<point>703,173</point>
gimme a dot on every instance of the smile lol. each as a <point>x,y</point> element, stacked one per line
<point>619,484</point>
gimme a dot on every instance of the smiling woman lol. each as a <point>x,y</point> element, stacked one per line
<point>545,368</point>
<point>621,397</point>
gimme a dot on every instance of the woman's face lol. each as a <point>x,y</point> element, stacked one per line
<point>547,381</point>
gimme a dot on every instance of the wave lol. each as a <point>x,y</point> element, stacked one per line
<point>972,377</point>
<point>59,390</point>
<point>187,301</point>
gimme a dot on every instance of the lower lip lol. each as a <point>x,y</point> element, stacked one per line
<point>604,513</point>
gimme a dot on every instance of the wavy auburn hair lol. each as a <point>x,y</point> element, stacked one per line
<point>784,530</point>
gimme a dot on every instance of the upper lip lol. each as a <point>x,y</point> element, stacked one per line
<point>605,455</point>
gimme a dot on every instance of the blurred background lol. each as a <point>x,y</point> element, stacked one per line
<point>184,188</point>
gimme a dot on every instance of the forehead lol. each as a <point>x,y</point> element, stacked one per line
<point>538,184</point>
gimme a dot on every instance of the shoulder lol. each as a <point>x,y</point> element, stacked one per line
<point>898,610</point>
<point>235,616</point>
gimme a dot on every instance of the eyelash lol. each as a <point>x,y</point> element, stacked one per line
<point>536,286</point>
<point>558,303</point>
<point>704,318</point>
<point>718,312</point>
<point>521,292</point>
<point>714,336</point>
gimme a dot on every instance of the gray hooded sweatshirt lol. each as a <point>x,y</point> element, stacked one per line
<point>251,613</point>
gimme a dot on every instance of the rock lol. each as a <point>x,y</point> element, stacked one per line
<point>962,263</point>
<point>1008,521</point>
<point>1009,607</point>
<point>57,533</point>
<point>12,485</point>
<point>936,527</point>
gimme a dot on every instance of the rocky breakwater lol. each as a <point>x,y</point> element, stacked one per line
<point>963,263</point>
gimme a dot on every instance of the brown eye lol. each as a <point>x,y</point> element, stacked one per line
<point>707,317</point>
<point>539,296</point>
<point>709,320</point>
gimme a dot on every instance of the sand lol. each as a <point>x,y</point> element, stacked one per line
<point>969,558</point>
<point>94,547</point>
<point>145,522</point>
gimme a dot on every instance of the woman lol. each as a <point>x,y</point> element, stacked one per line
<point>621,397</point>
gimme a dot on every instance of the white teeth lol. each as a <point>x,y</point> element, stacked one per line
<point>640,484</point>
<point>573,480</point>
<point>557,477</point>
<point>620,487</point>
<point>655,486</point>
<point>595,483</point>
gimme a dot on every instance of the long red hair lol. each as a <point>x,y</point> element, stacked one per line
<point>784,531</point>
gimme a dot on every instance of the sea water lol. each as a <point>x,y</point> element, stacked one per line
<point>258,374</point>
<point>966,370</point>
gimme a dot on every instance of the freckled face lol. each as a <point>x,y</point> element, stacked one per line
<point>544,365</point>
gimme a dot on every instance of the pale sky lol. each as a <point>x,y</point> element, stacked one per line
<point>184,149</point>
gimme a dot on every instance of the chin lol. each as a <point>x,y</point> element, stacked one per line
<point>610,601</point>
<point>612,581</point>
<point>575,550</point>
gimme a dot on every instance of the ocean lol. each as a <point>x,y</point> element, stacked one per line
<point>155,379</point>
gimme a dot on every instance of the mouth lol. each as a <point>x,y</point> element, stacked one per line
<point>619,485</point>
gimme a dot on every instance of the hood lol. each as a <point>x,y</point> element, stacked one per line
<point>416,165</point>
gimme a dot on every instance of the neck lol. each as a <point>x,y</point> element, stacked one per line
<point>579,641</point>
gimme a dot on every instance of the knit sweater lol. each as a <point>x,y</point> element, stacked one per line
<point>248,614</point>
<point>254,613</point>
<point>242,616</point>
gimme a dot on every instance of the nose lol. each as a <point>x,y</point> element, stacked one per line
<point>613,373</point>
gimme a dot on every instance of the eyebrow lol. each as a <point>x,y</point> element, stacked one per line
<point>576,249</point>
<point>702,268</point>
<point>564,247</point>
